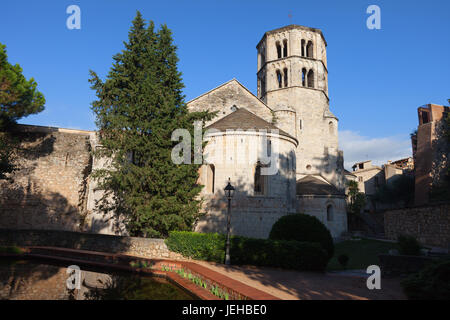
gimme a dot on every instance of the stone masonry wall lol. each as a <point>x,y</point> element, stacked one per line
<point>141,247</point>
<point>430,224</point>
<point>49,191</point>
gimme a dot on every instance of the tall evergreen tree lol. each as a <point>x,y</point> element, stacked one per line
<point>19,98</point>
<point>139,105</point>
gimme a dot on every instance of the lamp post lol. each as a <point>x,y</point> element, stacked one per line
<point>229,192</point>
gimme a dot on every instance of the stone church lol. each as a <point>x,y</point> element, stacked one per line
<point>291,110</point>
<point>279,149</point>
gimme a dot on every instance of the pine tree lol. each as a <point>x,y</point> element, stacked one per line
<point>139,105</point>
<point>18,98</point>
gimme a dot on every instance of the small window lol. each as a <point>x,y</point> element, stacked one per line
<point>285,71</point>
<point>260,182</point>
<point>331,127</point>
<point>210,177</point>
<point>309,49</point>
<point>360,179</point>
<point>285,48</point>
<point>303,43</point>
<point>304,77</point>
<point>278,50</point>
<point>300,124</point>
<point>330,213</point>
<point>311,79</point>
<point>279,79</point>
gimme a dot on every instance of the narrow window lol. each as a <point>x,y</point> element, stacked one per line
<point>311,79</point>
<point>303,48</point>
<point>309,49</point>
<point>210,176</point>
<point>278,50</point>
<point>259,180</point>
<point>360,179</point>
<point>285,71</point>
<point>331,127</point>
<point>330,213</point>
<point>300,124</point>
<point>263,85</point>
<point>304,77</point>
<point>285,48</point>
<point>279,79</point>
<point>269,148</point>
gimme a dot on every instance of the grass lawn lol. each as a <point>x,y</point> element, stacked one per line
<point>362,253</point>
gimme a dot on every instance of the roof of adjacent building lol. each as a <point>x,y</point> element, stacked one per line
<point>242,119</point>
<point>311,185</point>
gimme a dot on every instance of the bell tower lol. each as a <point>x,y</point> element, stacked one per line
<point>292,80</point>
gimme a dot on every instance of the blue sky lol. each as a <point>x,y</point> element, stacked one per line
<point>377,78</point>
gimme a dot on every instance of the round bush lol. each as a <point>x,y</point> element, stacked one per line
<point>304,228</point>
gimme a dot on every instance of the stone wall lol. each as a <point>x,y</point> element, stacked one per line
<point>141,247</point>
<point>53,188</point>
<point>429,224</point>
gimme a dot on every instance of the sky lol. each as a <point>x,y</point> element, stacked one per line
<point>377,78</point>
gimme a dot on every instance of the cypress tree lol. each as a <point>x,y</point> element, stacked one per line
<point>138,107</point>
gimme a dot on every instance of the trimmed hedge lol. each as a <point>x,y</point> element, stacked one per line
<point>303,227</point>
<point>431,283</point>
<point>259,252</point>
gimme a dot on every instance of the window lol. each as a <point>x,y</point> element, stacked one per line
<point>360,179</point>
<point>311,79</point>
<point>278,50</point>
<point>263,85</point>
<point>303,48</point>
<point>285,71</point>
<point>259,180</point>
<point>269,148</point>
<point>309,49</point>
<point>285,48</point>
<point>304,77</point>
<point>330,213</point>
<point>331,127</point>
<point>210,177</point>
<point>279,79</point>
<point>300,124</point>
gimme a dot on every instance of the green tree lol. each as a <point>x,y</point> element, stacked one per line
<point>356,201</point>
<point>139,106</point>
<point>19,98</point>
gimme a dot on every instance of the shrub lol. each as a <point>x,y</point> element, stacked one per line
<point>343,260</point>
<point>259,252</point>
<point>408,245</point>
<point>303,227</point>
<point>432,283</point>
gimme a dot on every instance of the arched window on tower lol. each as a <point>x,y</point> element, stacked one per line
<point>303,44</point>
<point>331,127</point>
<point>279,79</point>
<point>304,77</point>
<point>285,73</point>
<point>311,79</point>
<point>263,85</point>
<point>330,213</point>
<point>309,50</point>
<point>278,49</point>
<point>285,48</point>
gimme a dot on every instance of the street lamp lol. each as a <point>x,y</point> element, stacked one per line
<point>229,193</point>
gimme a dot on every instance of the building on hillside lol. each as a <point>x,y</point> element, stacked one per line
<point>292,105</point>
<point>430,151</point>
<point>369,177</point>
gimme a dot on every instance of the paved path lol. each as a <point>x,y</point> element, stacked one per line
<point>293,285</point>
